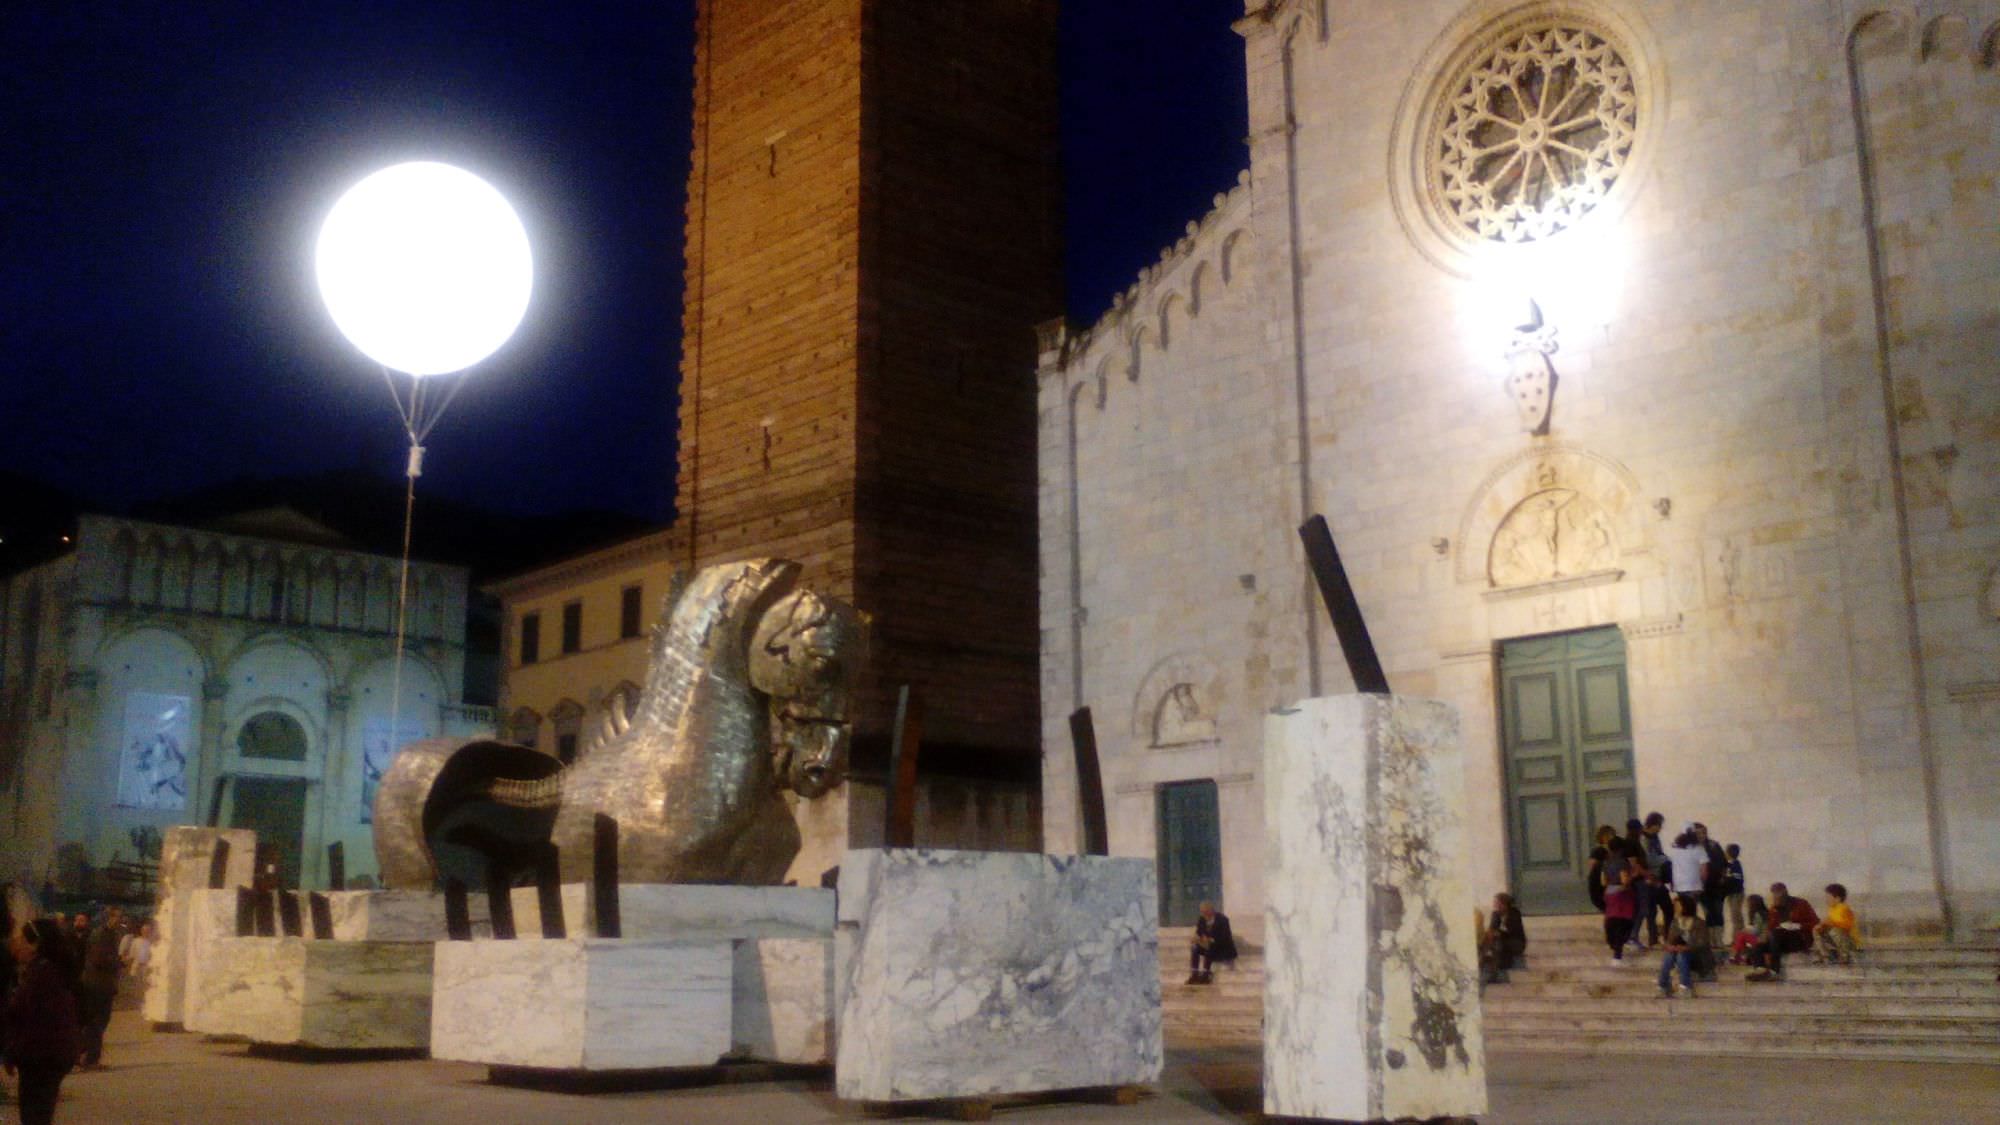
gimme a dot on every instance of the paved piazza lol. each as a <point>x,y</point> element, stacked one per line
<point>180,1078</point>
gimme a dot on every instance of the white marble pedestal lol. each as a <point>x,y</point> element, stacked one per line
<point>582,1004</point>
<point>1371,996</point>
<point>186,860</point>
<point>685,911</point>
<point>397,915</point>
<point>326,995</point>
<point>974,974</point>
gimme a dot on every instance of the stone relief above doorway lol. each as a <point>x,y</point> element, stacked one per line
<point>1175,705</point>
<point>1552,514</point>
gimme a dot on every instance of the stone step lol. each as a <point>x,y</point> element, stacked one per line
<point>1760,1045</point>
<point>1942,955</point>
<point>1638,982</point>
<point>1775,1003</point>
<point>1713,1024</point>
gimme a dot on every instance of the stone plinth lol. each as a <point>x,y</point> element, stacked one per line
<point>782,1000</point>
<point>582,1004</point>
<point>210,918</point>
<point>186,860</point>
<point>1371,996</point>
<point>397,915</point>
<point>983,973</point>
<point>686,911</point>
<point>334,995</point>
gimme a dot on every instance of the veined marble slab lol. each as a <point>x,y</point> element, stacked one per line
<point>1371,996</point>
<point>686,911</point>
<point>398,915</point>
<point>346,995</point>
<point>210,917</point>
<point>782,1000</point>
<point>582,1003</point>
<point>980,973</point>
<point>186,856</point>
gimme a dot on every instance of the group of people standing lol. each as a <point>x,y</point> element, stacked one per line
<point>1672,896</point>
<point>58,983</point>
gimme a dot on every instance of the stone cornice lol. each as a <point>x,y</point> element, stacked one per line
<point>638,551</point>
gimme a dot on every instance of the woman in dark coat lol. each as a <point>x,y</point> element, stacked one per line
<point>39,1028</point>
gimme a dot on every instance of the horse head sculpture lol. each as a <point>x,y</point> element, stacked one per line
<point>747,695</point>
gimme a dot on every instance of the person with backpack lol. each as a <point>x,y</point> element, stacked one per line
<point>39,1029</point>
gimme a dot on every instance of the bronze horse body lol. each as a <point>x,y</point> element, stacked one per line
<point>747,696</point>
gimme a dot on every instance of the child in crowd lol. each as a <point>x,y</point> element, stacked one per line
<point>1732,889</point>
<point>1687,935</point>
<point>1621,910</point>
<point>1755,934</point>
<point>1837,932</point>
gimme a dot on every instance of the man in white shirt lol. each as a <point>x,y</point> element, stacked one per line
<point>1690,863</point>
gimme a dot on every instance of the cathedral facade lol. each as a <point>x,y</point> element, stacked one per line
<point>1641,358</point>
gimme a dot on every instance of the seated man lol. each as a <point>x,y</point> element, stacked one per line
<point>1212,942</point>
<point>1792,924</point>
<point>1503,942</point>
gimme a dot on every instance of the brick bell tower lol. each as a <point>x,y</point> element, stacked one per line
<point>873,231</point>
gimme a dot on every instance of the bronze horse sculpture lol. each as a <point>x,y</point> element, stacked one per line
<point>747,695</point>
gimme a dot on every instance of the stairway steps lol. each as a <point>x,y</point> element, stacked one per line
<point>1870,1048</point>
<point>1761,1004</point>
<point>1712,1023</point>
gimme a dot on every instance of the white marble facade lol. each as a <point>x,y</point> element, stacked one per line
<point>330,995</point>
<point>583,1004</point>
<point>968,974</point>
<point>1371,995</point>
<point>186,862</point>
<point>782,1001</point>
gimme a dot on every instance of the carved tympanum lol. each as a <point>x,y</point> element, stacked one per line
<point>1554,533</point>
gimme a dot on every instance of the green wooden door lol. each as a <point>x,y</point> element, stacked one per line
<point>1566,741</point>
<point>1190,850</point>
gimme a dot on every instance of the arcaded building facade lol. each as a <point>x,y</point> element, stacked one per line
<point>1643,359</point>
<point>242,674</point>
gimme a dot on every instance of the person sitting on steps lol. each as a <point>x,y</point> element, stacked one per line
<point>1212,942</point>
<point>1792,924</point>
<point>1504,941</point>
<point>1838,932</point>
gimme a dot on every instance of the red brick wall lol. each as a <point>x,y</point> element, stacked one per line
<point>858,380</point>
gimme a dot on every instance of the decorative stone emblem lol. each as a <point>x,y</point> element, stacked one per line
<point>1555,533</point>
<point>1175,705</point>
<point>1531,378</point>
<point>1534,134</point>
<point>1180,719</point>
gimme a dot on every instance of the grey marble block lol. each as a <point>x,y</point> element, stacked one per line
<point>983,973</point>
<point>397,915</point>
<point>186,858</point>
<point>1371,995</point>
<point>782,1000</point>
<point>585,1004</point>
<point>335,995</point>
<point>686,911</point>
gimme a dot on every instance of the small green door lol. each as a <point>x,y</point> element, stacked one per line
<point>1566,741</point>
<point>1190,850</point>
<point>275,808</point>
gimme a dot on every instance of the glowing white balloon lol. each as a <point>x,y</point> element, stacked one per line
<point>424,267</point>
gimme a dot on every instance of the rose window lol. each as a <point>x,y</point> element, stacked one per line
<point>1534,135</point>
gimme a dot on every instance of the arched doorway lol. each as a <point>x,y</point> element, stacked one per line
<point>273,807</point>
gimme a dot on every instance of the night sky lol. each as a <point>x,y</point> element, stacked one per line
<point>164,168</point>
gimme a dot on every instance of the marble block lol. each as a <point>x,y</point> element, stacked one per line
<point>397,915</point>
<point>982,973</point>
<point>342,995</point>
<point>186,855</point>
<point>1371,994</point>
<point>686,911</point>
<point>588,1004</point>
<point>210,917</point>
<point>782,1000</point>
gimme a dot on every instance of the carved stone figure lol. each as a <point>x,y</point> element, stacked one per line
<point>1555,533</point>
<point>747,696</point>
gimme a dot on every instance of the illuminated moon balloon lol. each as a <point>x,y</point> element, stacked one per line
<point>424,267</point>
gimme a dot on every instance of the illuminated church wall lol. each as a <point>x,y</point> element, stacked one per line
<point>1648,396</point>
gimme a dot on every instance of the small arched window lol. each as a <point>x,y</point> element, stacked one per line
<point>273,736</point>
